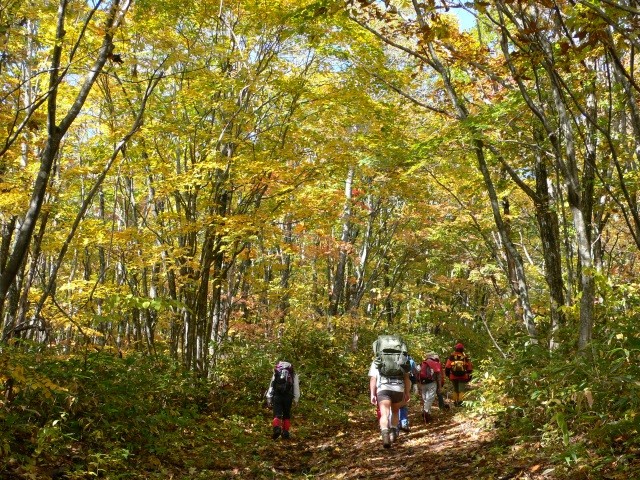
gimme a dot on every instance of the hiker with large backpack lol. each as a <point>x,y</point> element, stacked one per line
<point>460,371</point>
<point>389,383</point>
<point>429,377</point>
<point>283,393</point>
<point>403,413</point>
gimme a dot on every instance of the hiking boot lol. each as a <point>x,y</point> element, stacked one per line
<point>426,416</point>
<point>393,434</point>
<point>276,432</point>
<point>386,440</point>
<point>404,426</point>
<point>286,435</point>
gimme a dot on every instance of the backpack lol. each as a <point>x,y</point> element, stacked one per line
<point>392,358</point>
<point>458,364</point>
<point>426,372</point>
<point>283,378</point>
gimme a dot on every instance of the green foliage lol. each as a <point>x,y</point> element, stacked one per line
<point>109,409</point>
<point>570,401</point>
<point>331,375</point>
<point>116,417</point>
<point>124,417</point>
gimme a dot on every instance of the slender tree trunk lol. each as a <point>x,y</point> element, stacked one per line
<point>361,269</point>
<point>55,133</point>
<point>521,287</point>
<point>580,223</point>
<point>550,237</point>
<point>286,262</point>
<point>511,262</point>
<point>337,291</point>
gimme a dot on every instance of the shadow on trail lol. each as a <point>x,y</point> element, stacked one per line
<point>446,447</point>
<point>451,446</point>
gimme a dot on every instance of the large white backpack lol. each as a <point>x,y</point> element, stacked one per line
<point>392,357</point>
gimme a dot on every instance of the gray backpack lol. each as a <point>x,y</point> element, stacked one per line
<point>392,357</point>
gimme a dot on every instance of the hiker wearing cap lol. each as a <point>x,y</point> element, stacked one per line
<point>459,370</point>
<point>429,378</point>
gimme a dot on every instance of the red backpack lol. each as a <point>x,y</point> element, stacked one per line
<point>426,373</point>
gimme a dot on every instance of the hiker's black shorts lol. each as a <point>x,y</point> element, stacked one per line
<point>395,397</point>
<point>282,406</point>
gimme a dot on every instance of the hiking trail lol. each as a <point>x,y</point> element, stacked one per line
<point>453,445</point>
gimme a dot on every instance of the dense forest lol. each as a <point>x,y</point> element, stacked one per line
<point>192,191</point>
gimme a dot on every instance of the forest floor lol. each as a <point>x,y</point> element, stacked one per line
<point>453,445</point>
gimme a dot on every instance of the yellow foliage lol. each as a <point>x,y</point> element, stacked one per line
<point>27,378</point>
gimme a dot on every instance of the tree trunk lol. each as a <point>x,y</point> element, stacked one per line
<point>550,237</point>
<point>285,260</point>
<point>337,290</point>
<point>55,133</point>
<point>521,287</point>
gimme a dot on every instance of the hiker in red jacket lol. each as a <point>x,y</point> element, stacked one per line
<point>459,370</point>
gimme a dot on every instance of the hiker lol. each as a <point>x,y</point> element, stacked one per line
<point>459,370</point>
<point>404,411</point>
<point>403,417</point>
<point>442,405</point>
<point>283,392</point>
<point>389,384</point>
<point>430,374</point>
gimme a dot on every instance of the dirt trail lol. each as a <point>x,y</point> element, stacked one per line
<point>425,452</point>
<point>451,446</point>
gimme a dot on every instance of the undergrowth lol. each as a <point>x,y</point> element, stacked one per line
<point>96,415</point>
<point>582,408</point>
<point>140,416</point>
